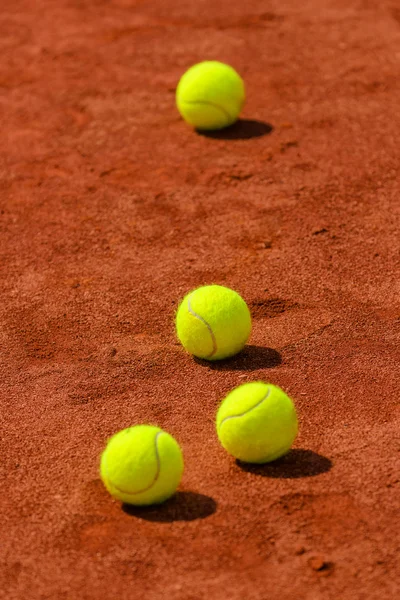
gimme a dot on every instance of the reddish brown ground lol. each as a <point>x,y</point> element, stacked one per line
<point>112,209</point>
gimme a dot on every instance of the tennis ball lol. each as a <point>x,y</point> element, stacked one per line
<point>257,422</point>
<point>210,95</point>
<point>141,465</point>
<point>213,322</point>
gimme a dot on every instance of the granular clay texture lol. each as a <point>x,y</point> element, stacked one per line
<point>112,209</point>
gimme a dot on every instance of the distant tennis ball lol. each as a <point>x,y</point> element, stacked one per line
<point>257,422</point>
<point>213,322</point>
<point>210,95</point>
<point>141,465</point>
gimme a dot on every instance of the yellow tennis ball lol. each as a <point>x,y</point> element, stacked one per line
<point>141,465</point>
<point>257,422</point>
<point>213,322</point>
<point>210,95</point>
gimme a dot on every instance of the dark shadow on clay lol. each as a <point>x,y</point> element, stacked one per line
<point>298,463</point>
<point>243,129</point>
<point>183,506</point>
<point>251,358</point>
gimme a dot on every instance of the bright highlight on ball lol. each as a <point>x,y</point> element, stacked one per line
<point>257,422</point>
<point>141,465</point>
<point>210,95</point>
<point>213,322</point>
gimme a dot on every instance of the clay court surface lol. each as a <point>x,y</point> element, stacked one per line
<point>112,209</point>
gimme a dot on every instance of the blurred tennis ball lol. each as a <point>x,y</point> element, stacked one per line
<point>210,95</point>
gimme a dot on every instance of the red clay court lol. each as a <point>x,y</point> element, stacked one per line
<point>112,209</point>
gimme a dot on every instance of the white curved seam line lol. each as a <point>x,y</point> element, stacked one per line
<point>206,103</point>
<point>248,410</point>
<point>156,476</point>
<point>214,341</point>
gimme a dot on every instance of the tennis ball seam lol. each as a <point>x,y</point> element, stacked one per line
<point>156,476</point>
<point>207,103</point>
<point>246,412</point>
<point>197,316</point>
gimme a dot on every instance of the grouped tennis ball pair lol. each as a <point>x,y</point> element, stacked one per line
<point>256,422</point>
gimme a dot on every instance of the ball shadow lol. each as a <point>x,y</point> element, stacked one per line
<point>295,465</point>
<point>183,506</point>
<point>251,358</point>
<point>243,129</point>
